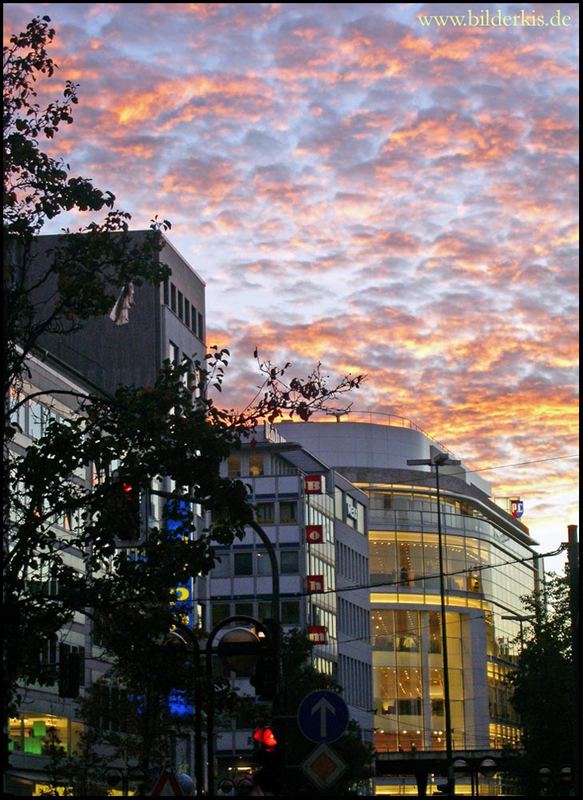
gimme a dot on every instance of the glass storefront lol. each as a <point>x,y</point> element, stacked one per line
<point>408,679</point>
<point>483,576</point>
<point>33,734</point>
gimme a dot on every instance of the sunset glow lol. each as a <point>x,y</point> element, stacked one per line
<point>359,189</point>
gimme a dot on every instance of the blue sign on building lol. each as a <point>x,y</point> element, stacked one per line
<point>322,716</point>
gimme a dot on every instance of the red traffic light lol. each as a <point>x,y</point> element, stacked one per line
<point>266,737</point>
<point>127,488</point>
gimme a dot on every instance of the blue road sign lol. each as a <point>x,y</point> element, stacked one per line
<point>322,716</point>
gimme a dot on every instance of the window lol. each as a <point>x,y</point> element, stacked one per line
<point>219,612</point>
<point>193,320</point>
<point>222,567</point>
<point>35,419</point>
<point>180,305</point>
<point>186,313</point>
<point>234,466</point>
<point>200,326</point>
<point>289,562</point>
<point>265,512</point>
<point>290,612</point>
<point>173,297</point>
<point>244,608</point>
<point>263,563</point>
<point>166,291</point>
<point>173,353</point>
<point>288,512</point>
<point>243,563</point>
<point>255,464</point>
<point>264,610</point>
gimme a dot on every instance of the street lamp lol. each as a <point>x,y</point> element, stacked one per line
<point>437,461</point>
<point>239,649</point>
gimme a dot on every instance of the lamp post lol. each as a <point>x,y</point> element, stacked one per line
<point>437,461</point>
<point>234,648</point>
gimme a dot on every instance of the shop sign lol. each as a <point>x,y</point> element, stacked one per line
<point>318,634</point>
<point>351,510</point>
<point>517,507</point>
<point>314,534</point>
<point>315,584</point>
<point>313,484</point>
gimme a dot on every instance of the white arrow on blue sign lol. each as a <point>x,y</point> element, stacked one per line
<point>322,716</point>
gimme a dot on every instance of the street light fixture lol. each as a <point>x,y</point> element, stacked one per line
<point>437,461</point>
<point>241,648</point>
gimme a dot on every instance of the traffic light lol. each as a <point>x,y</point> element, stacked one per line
<point>268,754</point>
<point>123,509</point>
<point>266,676</point>
<point>264,679</point>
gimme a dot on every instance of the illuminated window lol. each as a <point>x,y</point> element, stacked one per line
<point>234,466</point>
<point>255,464</point>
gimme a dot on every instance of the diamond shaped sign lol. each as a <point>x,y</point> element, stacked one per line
<point>323,766</point>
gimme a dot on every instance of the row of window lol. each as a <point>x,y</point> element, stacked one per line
<point>322,616</point>
<point>183,308</point>
<point>355,678</point>
<point>284,512</point>
<point>32,418</point>
<point>353,620</point>
<point>255,562</point>
<point>352,565</point>
<point>260,609</point>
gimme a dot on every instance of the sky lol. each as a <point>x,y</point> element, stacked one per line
<point>377,187</point>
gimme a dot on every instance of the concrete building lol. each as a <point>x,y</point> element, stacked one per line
<point>41,708</point>
<point>166,322</point>
<point>489,564</point>
<point>316,520</point>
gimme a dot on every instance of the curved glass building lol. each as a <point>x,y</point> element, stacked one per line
<point>489,564</point>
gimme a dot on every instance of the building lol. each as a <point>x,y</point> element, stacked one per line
<point>41,709</point>
<point>166,322</point>
<point>316,521</point>
<point>489,564</point>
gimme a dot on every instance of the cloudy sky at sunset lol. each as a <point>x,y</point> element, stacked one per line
<point>364,188</point>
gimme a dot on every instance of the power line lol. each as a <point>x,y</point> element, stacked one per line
<point>477,568</point>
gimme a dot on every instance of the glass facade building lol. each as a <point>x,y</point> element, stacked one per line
<point>489,564</point>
